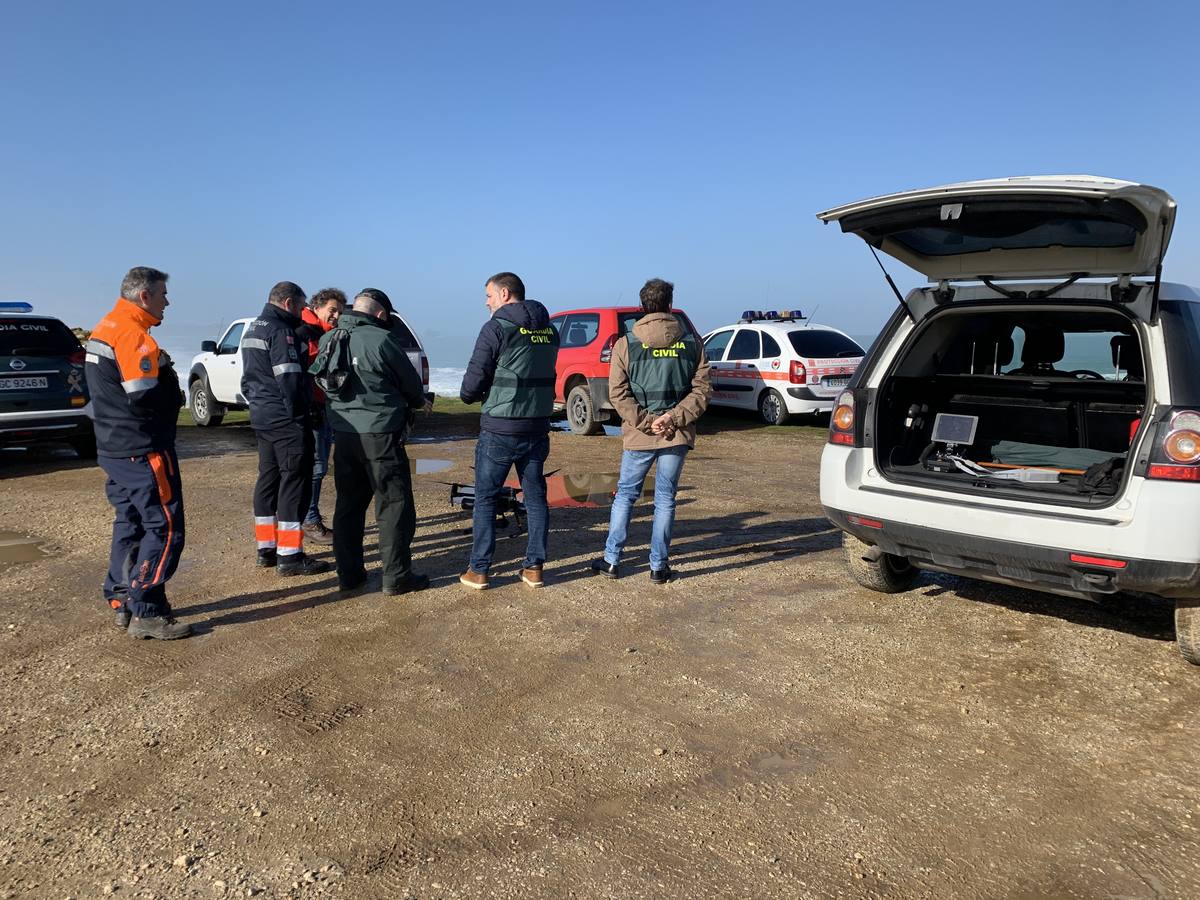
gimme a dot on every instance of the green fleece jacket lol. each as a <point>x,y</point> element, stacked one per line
<point>383,387</point>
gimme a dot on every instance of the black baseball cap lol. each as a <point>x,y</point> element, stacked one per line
<point>379,297</point>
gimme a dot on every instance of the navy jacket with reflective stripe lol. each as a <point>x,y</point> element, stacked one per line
<point>274,370</point>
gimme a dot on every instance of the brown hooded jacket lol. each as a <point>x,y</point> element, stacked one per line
<point>656,330</point>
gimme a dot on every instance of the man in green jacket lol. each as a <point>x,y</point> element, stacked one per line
<point>370,417</point>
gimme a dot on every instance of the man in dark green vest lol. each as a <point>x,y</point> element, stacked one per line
<point>659,384</point>
<point>371,414</point>
<point>512,372</point>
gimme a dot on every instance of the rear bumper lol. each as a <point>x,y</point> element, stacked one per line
<point>44,426</point>
<point>1024,565</point>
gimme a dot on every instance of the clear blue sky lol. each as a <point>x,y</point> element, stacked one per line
<point>422,147</point>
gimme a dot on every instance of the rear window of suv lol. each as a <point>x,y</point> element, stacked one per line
<point>626,321</point>
<point>823,344</point>
<point>36,337</point>
<point>403,335</point>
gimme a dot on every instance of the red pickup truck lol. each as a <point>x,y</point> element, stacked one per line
<point>585,342</point>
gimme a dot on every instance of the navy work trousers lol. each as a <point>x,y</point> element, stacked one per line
<point>283,491</point>
<point>147,540</point>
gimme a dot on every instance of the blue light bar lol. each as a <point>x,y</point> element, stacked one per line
<point>790,314</point>
<point>15,306</point>
<point>771,314</point>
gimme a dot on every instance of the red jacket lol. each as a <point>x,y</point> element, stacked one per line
<point>311,333</point>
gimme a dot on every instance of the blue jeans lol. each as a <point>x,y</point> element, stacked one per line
<point>495,455</point>
<point>323,435</point>
<point>635,465</point>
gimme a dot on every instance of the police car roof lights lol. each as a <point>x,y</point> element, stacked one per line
<point>771,315</point>
<point>15,306</point>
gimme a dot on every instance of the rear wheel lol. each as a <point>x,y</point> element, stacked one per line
<point>581,412</point>
<point>887,574</point>
<point>205,410</point>
<point>772,408</point>
<point>1187,629</point>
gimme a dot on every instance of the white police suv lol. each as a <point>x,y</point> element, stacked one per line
<point>1032,416</point>
<point>773,362</point>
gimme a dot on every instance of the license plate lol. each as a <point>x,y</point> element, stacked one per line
<point>23,384</point>
<point>837,382</point>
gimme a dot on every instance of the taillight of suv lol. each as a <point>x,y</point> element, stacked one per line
<point>844,426</point>
<point>796,372</point>
<point>1176,450</point>
<point>606,350</point>
<point>425,371</point>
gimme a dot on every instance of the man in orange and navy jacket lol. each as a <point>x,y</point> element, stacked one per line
<point>135,404</point>
<point>278,390</point>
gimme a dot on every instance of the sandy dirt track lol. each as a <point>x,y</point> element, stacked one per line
<point>761,727</point>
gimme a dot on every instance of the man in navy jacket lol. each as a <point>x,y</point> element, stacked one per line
<point>276,385</point>
<point>512,372</point>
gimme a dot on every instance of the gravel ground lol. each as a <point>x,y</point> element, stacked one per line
<point>760,727</point>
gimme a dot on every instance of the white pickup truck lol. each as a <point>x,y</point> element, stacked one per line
<point>214,384</point>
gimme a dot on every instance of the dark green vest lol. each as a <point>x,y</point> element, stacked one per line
<point>524,384</point>
<point>661,377</point>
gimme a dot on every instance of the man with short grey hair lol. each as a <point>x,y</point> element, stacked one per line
<point>371,414</point>
<point>135,402</point>
<point>279,392</point>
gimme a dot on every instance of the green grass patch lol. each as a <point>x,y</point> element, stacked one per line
<point>233,417</point>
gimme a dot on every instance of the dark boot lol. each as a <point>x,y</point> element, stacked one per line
<point>302,564</point>
<point>316,532</point>
<point>603,567</point>
<point>120,614</point>
<point>661,576</point>
<point>160,628</point>
<point>413,582</point>
<point>266,559</point>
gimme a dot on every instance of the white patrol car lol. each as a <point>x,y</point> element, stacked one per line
<point>215,380</point>
<point>775,363</point>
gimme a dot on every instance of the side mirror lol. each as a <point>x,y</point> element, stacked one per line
<point>208,346</point>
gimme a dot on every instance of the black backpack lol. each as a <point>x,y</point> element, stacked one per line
<point>333,365</point>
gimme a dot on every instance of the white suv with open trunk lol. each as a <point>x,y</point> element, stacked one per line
<point>1033,416</point>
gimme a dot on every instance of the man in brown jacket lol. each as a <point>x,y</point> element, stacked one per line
<point>659,385</point>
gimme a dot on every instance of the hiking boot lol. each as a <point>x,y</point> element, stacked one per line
<point>316,531</point>
<point>414,582</point>
<point>266,559</point>
<point>661,576</point>
<point>120,614</point>
<point>351,582</point>
<point>472,579</point>
<point>607,569</point>
<point>532,576</point>
<point>160,628</point>
<point>302,564</point>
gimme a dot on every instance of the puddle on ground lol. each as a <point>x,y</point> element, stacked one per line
<point>18,548</point>
<point>589,490</point>
<point>440,438</point>
<point>429,466</point>
<point>563,425</point>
